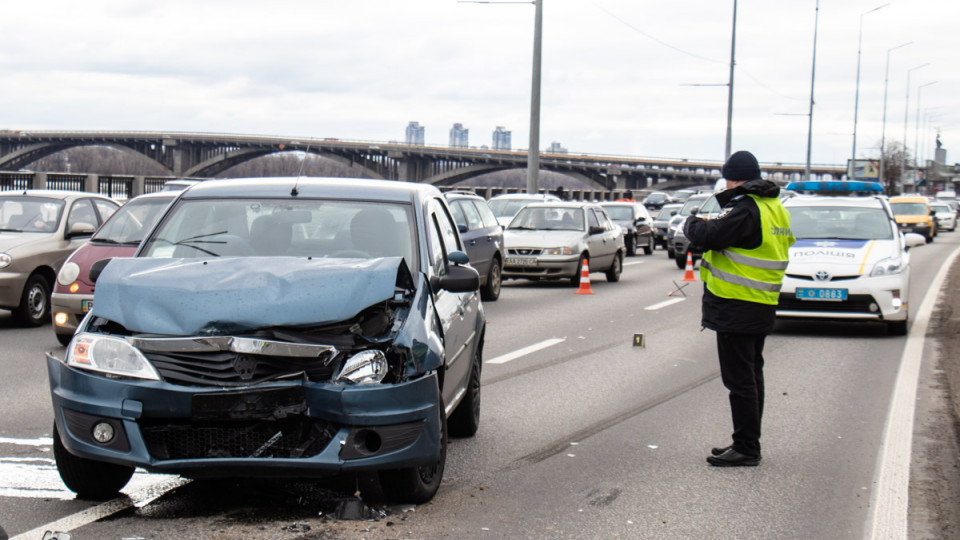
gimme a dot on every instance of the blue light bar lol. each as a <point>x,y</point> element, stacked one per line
<point>837,187</point>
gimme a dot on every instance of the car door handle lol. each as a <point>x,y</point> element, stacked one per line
<point>473,242</point>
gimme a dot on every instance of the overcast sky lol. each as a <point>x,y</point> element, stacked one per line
<point>620,77</point>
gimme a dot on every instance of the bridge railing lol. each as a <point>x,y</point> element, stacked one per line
<point>123,187</point>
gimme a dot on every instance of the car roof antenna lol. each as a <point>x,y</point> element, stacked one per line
<point>294,192</point>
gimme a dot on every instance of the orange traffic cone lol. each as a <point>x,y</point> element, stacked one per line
<point>585,280</point>
<point>688,272</point>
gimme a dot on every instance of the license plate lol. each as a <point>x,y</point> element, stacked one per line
<point>86,305</point>
<point>521,261</point>
<point>836,295</point>
<point>249,405</point>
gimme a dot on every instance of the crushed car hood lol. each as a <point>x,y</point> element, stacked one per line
<point>233,294</point>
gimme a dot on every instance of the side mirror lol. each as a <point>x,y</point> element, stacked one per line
<point>97,268</point>
<point>81,229</point>
<point>639,220</point>
<point>694,210</point>
<point>462,228</point>
<point>458,258</point>
<point>595,230</point>
<point>460,279</point>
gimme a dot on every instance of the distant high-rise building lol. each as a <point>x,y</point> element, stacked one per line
<point>501,139</point>
<point>556,148</point>
<point>415,133</point>
<point>459,136</point>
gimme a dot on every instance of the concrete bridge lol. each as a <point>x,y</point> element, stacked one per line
<point>204,155</point>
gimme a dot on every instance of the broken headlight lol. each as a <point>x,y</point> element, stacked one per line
<point>365,367</point>
<point>108,355</point>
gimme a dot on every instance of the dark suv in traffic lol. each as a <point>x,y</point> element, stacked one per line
<point>281,328</point>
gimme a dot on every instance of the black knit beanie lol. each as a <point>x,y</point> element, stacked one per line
<point>741,166</point>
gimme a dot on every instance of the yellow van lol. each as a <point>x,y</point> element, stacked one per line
<point>913,214</point>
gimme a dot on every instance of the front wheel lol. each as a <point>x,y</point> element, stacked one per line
<point>87,478</point>
<point>575,279</point>
<point>491,291</point>
<point>34,308</point>
<point>630,243</point>
<point>681,260</point>
<point>418,485</point>
<point>897,328</point>
<point>613,273</point>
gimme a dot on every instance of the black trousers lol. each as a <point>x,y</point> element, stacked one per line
<point>741,369</point>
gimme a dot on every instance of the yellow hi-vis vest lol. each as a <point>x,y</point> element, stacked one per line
<point>753,275</point>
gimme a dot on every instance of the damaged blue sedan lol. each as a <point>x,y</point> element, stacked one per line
<point>277,327</point>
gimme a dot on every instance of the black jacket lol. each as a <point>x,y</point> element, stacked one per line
<point>737,226</point>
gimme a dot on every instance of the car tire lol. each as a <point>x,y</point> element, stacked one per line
<point>34,308</point>
<point>929,238</point>
<point>670,253</point>
<point>64,339</point>
<point>630,242</point>
<point>465,420</point>
<point>897,328</point>
<point>87,478</point>
<point>491,290</point>
<point>648,249</point>
<point>575,278</point>
<point>613,273</point>
<point>417,485</point>
<point>681,260</point>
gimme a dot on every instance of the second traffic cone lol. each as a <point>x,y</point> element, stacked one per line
<point>688,272</point>
<point>585,279</point>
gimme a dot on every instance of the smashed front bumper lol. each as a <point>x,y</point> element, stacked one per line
<point>280,429</point>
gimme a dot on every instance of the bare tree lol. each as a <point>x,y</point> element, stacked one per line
<point>895,158</point>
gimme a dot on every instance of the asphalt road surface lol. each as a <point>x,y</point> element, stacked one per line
<point>584,435</point>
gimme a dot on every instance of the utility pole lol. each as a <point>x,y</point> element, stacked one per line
<point>733,48</point>
<point>533,150</point>
<point>813,72</point>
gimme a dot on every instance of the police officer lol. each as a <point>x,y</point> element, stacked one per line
<point>745,256</point>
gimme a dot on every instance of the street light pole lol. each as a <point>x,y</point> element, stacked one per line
<point>733,48</point>
<point>856,99</point>
<point>916,127</point>
<point>906,112</point>
<point>813,72</point>
<point>883,131</point>
<point>533,150</point>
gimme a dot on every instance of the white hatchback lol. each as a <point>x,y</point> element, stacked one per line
<point>850,262</point>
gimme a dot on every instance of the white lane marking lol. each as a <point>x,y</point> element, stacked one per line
<point>664,304</point>
<point>40,441</point>
<point>632,263</point>
<point>888,518</point>
<point>138,498</point>
<point>503,359</point>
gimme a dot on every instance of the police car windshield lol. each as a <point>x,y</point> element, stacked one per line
<point>838,222</point>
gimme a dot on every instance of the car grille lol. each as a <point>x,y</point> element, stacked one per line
<point>524,251</point>
<point>832,278</point>
<point>291,437</point>
<point>855,303</point>
<point>227,368</point>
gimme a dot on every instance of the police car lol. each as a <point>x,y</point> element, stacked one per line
<point>850,261</point>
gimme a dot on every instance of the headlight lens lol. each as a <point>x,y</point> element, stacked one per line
<point>5,260</point>
<point>68,274</point>
<point>111,355</point>
<point>887,267</point>
<point>558,251</point>
<point>365,367</point>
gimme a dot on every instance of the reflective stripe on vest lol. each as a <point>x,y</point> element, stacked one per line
<point>753,275</point>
